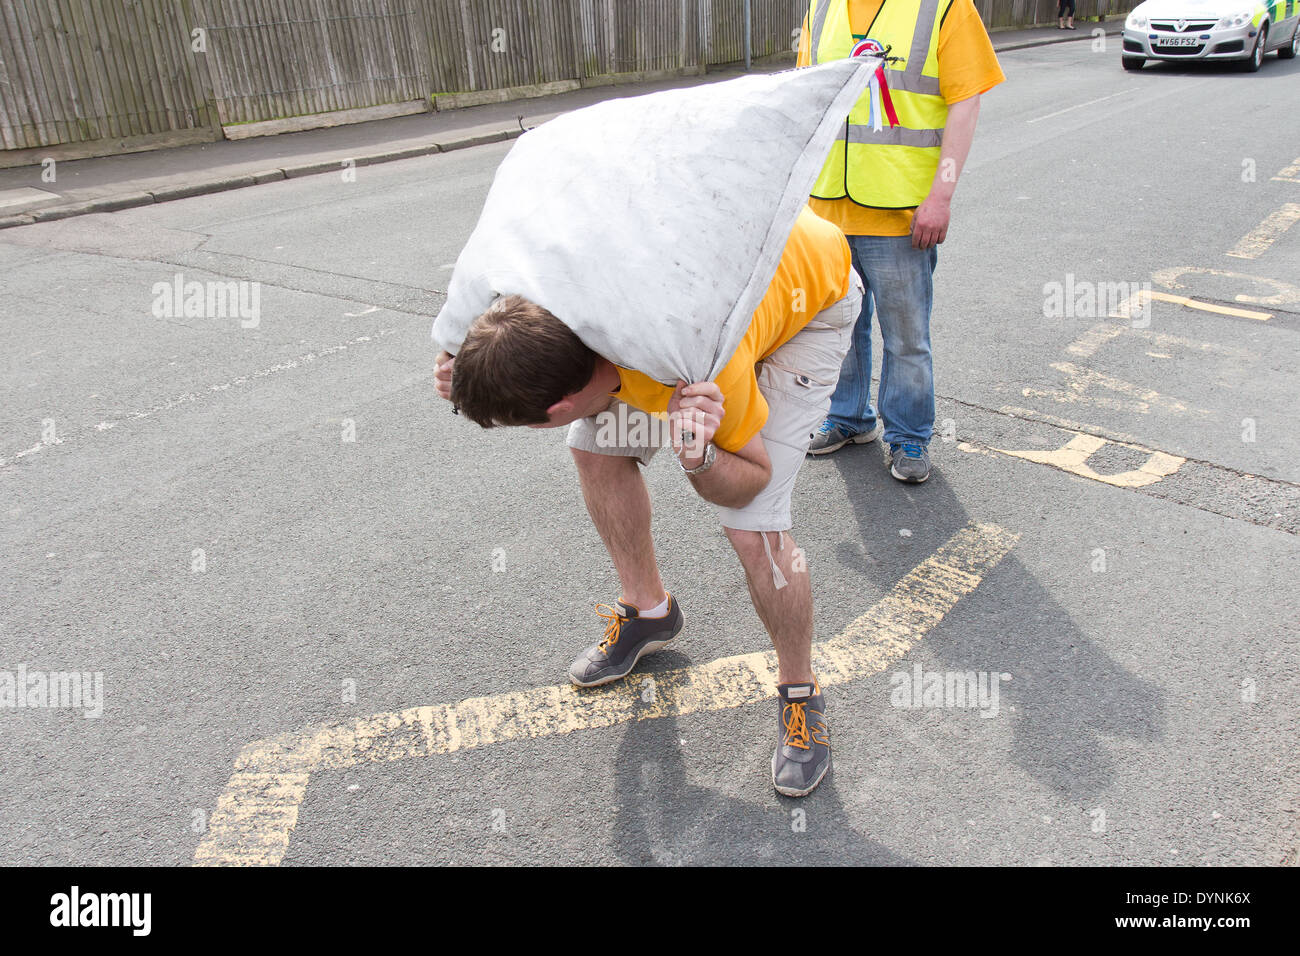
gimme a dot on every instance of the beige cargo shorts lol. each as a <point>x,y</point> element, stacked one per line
<point>797,381</point>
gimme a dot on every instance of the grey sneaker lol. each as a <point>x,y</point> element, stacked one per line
<point>910,462</point>
<point>804,754</point>
<point>831,437</point>
<point>628,637</point>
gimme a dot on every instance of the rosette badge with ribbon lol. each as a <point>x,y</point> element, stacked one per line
<point>881,102</point>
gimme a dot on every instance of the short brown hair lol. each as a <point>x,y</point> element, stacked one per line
<point>516,362</point>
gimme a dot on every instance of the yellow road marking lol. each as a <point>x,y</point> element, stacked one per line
<point>1164,340</point>
<point>1066,423</point>
<point>1142,296</point>
<point>1088,343</point>
<point>1286,294</point>
<point>1255,243</point>
<point>1082,378</point>
<point>1073,458</point>
<point>1212,307</point>
<point>258,810</point>
<point>1079,398</point>
<point>1291,174</point>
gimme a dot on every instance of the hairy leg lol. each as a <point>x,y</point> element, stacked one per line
<point>786,613</point>
<point>619,504</point>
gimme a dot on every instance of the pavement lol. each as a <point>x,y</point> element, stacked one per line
<point>109,183</point>
<point>333,620</point>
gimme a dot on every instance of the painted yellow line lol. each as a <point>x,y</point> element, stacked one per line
<point>258,810</point>
<point>1286,293</point>
<point>1255,243</point>
<point>1086,345</point>
<point>1073,458</point>
<point>1066,423</point>
<point>1080,398</point>
<point>1142,295</point>
<point>1291,174</point>
<point>1097,336</point>
<point>1082,378</point>
<point>1211,307</point>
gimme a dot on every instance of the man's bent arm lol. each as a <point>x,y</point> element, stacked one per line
<point>735,478</point>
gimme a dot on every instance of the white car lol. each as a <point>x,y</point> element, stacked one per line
<point>1211,30</point>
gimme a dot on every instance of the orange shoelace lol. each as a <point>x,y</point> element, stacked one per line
<point>614,628</point>
<point>797,732</point>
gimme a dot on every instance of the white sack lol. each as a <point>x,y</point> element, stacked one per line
<point>652,225</point>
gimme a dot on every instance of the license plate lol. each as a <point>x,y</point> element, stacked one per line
<point>1177,41</point>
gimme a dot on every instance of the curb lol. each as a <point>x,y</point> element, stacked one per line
<point>1049,42</point>
<point>222,184</point>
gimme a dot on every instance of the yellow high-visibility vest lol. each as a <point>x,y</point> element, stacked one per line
<point>893,168</point>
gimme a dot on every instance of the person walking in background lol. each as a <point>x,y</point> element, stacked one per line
<point>1062,17</point>
<point>890,191</point>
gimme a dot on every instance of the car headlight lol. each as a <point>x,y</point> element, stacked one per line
<point>1137,23</point>
<point>1237,19</point>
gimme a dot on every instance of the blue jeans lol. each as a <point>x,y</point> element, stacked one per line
<point>900,289</point>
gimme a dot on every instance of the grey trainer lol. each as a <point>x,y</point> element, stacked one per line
<point>628,638</point>
<point>804,754</point>
<point>910,462</point>
<point>831,437</point>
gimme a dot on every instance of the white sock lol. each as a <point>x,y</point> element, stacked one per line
<point>659,611</point>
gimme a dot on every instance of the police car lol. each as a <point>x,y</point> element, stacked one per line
<point>1211,30</point>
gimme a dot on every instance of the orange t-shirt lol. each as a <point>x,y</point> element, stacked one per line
<point>812,275</point>
<point>967,67</point>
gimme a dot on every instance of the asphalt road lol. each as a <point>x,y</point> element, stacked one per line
<point>184,514</point>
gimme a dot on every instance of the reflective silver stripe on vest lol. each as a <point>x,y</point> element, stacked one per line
<point>897,136</point>
<point>921,40</point>
<point>902,80</point>
<point>914,82</point>
<point>818,26</point>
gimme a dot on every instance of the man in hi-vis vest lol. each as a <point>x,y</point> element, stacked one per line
<point>889,190</point>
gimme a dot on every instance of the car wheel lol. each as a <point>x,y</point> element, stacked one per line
<point>1133,62</point>
<point>1289,52</point>
<point>1257,55</point>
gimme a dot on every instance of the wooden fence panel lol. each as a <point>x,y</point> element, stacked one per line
<point>76,71</point>
<point>276,58</point>
<point>83,70</point>
<point>519,42</point>
<point>775,24</point>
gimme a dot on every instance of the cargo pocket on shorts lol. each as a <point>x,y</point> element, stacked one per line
<point>800,386</point>
<point>797,404</point>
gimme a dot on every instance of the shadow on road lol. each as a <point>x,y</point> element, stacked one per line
<point>1067,695</point>
<point>665,819</point>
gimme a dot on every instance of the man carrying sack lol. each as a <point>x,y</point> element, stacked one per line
<point>646,271</point>
<point>740,440</point>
